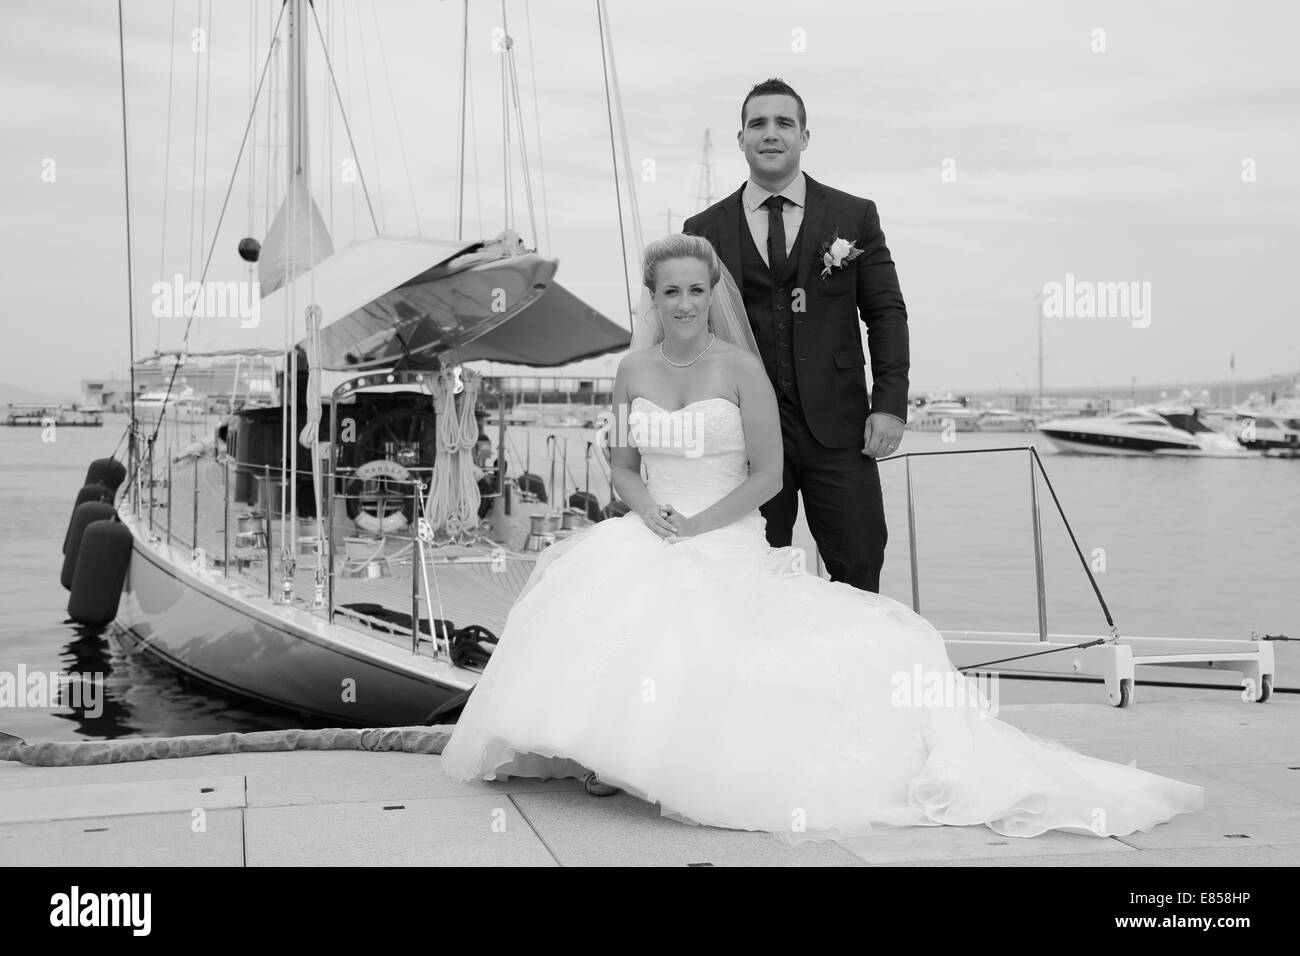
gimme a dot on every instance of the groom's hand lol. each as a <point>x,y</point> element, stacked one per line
<point>884,433</point>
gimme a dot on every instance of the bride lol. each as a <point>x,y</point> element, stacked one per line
<point>676,655</point>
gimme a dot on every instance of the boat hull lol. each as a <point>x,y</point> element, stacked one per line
<point>283,657</point>
<point>1091,443</point>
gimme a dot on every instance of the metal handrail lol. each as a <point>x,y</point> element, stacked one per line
<point>225,517</point>
<point>1036,468</point>
<point>169,501</point>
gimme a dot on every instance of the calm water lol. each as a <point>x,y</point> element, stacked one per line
<point>1191,548</point>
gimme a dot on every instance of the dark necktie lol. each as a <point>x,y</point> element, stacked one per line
<point>775,235</point>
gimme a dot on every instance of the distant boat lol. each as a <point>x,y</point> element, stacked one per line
<point>159,401</point>
<point>1004,420</point>
<point>1272,429</point>
<point>940,413</point>
<point>943,413</point>
<point>43,416</point>
<point>1146,430</point>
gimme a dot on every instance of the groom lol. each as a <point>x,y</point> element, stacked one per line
<point>804,294</point>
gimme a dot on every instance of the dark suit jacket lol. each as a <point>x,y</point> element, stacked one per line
<point>829,362</point>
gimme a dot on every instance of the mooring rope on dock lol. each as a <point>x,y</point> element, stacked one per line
<point>84,753</point>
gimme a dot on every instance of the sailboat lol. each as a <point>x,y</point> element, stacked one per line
<point>325,554</point>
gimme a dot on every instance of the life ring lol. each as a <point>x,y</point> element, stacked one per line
<point>370,504</point>
<point>375,525</point>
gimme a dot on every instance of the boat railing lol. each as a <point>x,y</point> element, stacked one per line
<point>230,517</point>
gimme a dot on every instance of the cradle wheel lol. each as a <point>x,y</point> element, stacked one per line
<point>1125,692</point>
<point>1265,688</point>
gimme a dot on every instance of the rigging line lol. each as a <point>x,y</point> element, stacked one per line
<point>329,65</point>
<point>329,191</point>
<point>613,156</point>
<point>189,322</point>
<point>460,132</point>
<point>167,152</point>
<point>1020,657</point>
<point>207,120</point>
<point>323,173</point>
<point>401,141</point>
<point>507,53</point>
<point>125,433</point>
<point>252,163</point>
<point>537,123</point>
<point>523,145</point>
<point>370,108</point>
<point>347,67</point>
<point>126,184</point>
<point>505,122</point>
<point>270,148</point>
<point>634,210</point>
<point>473,137</point>
<point>194,147</point>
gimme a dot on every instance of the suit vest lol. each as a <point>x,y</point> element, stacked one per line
<point>768,302</point>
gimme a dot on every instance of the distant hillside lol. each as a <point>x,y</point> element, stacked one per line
<point>21,396</point>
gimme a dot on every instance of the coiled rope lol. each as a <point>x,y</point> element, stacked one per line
<point>453,499</point>
<point>84,753</point>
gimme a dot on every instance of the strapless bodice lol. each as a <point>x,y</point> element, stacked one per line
<point>694,455</point>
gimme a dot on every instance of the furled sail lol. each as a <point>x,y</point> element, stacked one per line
<point>296,241</point>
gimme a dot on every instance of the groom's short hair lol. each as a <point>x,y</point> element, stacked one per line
<point>775,87</point>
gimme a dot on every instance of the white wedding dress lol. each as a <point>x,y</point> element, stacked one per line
<point>715,678</point>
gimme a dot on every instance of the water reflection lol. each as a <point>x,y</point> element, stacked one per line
<point>141,697</point>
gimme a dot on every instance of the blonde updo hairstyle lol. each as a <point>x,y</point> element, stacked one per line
<point>679,246</point>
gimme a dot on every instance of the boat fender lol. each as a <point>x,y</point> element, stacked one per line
<point>107,471</point>
<point>86,514</point>
<point>528,483</point>
<point>586,502</point>
<point>91,491</point>
<point>102,562</point>
<point>615,509</point>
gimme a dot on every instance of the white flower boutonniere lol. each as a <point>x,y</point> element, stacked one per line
<point>836,252</point>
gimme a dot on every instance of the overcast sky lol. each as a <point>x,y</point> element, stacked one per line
<point>1006,144</point>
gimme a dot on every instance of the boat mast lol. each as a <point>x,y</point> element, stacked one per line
<point>296,93</point>
<point>300,215</point>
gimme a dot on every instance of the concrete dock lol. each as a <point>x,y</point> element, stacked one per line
<point>356,808</point>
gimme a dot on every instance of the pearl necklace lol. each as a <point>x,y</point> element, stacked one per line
<point>712,337</point>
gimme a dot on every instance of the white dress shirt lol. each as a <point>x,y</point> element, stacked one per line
<point>753,198</point>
